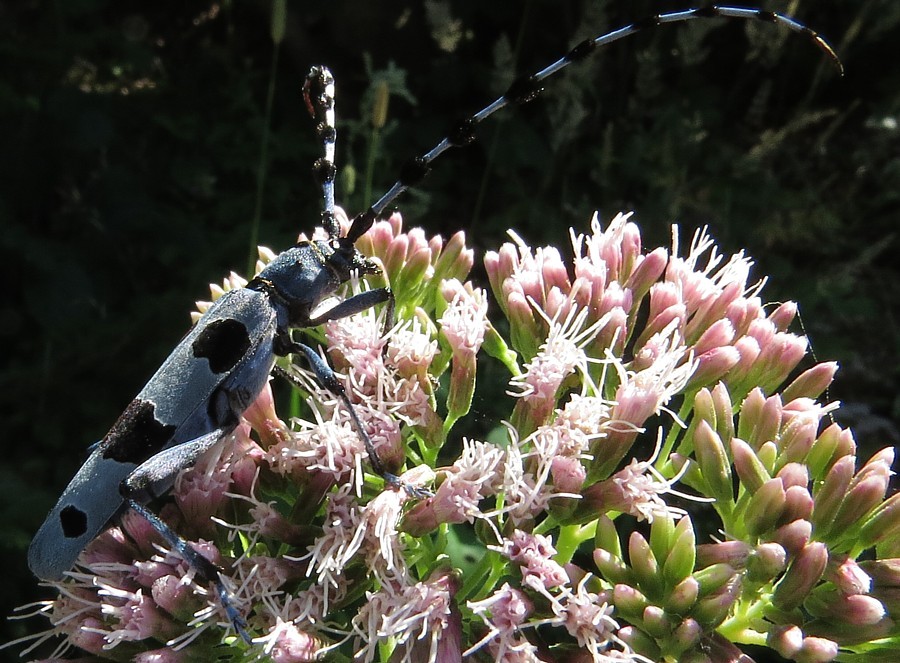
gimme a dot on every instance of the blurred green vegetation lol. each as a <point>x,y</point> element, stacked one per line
<point>131,137</point>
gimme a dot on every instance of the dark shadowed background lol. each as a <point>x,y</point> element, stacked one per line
<point>131,141</point>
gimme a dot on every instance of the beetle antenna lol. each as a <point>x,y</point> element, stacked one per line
<point>527,88</point>
<point>318,92</point>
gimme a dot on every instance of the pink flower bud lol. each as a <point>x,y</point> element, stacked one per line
<point>683,596</point>
<point>824,451</point>
<point>712,610</point>
<point>817,650</point>
<point>847,575</point>
<point>647,272</point>
<point>802,575</point>
<point>767,562</point>
<point>455,260</point>
<point>830,496</point>
<point>718,334</point>
<point>713,462</point>
<point>765,507</point>
<point>798,504</point>
<point>176,597</point>
<point>794,536</point>
<point>780,358</point>
<point>860,501</point>
<point>786,640</point>
<point>713,365</point>
<point>88,635</point>
<point>753,474</point>
<point>663,296</point>
<point>732,553</point>
<point>629,600</point>
<point>883,524</point>
<point>855,609</point>
<point>713,578</point>
<point>811,383</point>
<point>643,562</point>
<point>687,634</point>
<point>879,465</point>
<point>163,655</point>
<point>794,474</point>
<point>884,572</point>
<point>783,316</point>
<point>756,416</point>
<point>797,439</point>
<point>568,474</point>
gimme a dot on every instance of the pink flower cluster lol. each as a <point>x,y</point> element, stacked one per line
<point>628,373</point>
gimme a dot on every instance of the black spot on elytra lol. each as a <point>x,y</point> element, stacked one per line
<point>222,342</point>
<point>137,434</point>
<point>73,521</point>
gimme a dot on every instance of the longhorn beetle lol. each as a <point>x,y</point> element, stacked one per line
<point>198,395</point>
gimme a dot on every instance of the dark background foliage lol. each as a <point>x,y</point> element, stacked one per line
<point>131,137</point>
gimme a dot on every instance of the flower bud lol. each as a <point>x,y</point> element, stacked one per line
<point>733,553</point>
<point>644,564</point>
<point>798,504</point>
<point>855,609</point>
<point>455,260</point>
<point>767,561</point>
<point>802,575</point>
<point>718,334</point>
<point>656,622</point>
<point>568,474</point>
<point>751,413</point>
<point>292,645</point>
<point>713,365</point>
<point>883,524</point>
<point>817,650</point>
<point>724,412</point>
<point>686,636</point>
<point>818,460</point>
<point>713,462</point>
<point>165,654</point>
<point>797,439</point>
<point>862,498</point>
<point>629,600</point>
<point>683,596</point>
<point>704,409</point>
<point>765,507</point>
<point>637,640</point>
<point>786,640</point>
<point>611,567</point>
<point>779,358</point>
<point>682,553</point>
<point>750,469</point>
<point>713,578</point>
<point>830,496</point>
<point>884,572</point>
<point>811,383</point>
<point>712,610</point>
<point>793,475</point>
<point>646,273</point>
<point>783,316</point>
<point>793,536</point>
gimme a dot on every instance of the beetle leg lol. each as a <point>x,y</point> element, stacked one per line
<point>206,569</point>
<point>154,475</point>
<point>356,304</point>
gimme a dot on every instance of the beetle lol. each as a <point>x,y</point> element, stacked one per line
<point>217,370</point>
<point>198,395</point>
